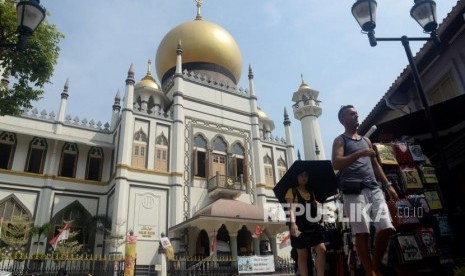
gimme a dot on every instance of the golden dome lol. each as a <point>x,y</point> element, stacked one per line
<point>148,80</point>
<point>303,85</point>
<point>203,42</point>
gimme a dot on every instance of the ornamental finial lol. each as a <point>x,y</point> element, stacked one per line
<point>199,4</point>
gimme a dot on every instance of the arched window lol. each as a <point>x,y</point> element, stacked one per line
<point>94,164</point>
<point>69,157</point>
<point>161,153</point>
<point>200,164</point>
<point>12,206</point>
<point>219,156</point>
<point>282,167</point>
<point>139,149</point>
<point>7,149</point>
<point>238,164</point>
<point>36,155</point>
<point>269,175</point>
<point>80,220</point>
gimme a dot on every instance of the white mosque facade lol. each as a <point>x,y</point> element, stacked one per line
<point>192,156</point>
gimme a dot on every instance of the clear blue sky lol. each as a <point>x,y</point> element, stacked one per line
<point>280,39</point>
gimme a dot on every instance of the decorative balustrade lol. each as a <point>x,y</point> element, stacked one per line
<point>226,182</point>
<point>199,78</point>
<point>307,102</point>
<point>51,117</point>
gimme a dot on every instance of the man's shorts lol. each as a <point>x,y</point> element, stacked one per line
<point>369,207</point>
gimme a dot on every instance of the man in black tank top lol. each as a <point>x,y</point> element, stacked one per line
<point>353,156</point>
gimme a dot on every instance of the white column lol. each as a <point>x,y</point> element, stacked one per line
<point>311,133</point>
<point>256,246</point>
<point>233,240</point>
<point>274,248</point>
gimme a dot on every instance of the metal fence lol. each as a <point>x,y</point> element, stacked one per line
<point>74,265</point>
<point>219,266</point>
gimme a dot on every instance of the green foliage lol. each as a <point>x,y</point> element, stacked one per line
<point>15,233</point>
<point>69,247</point>
<point>30,69</point>
<point>40,231</point>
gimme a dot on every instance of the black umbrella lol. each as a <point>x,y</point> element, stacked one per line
<point>321,179</point>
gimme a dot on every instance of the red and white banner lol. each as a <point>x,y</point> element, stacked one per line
<point>214,242</point>
<point>286,241</point>
<point>63,235</point>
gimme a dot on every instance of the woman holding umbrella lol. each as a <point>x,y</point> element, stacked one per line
<point>305,233</point>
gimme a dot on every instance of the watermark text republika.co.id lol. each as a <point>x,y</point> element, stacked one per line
<point>354,212</point>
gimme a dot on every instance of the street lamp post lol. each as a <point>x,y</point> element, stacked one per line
<point>30,14</point>
<point>424,12</point>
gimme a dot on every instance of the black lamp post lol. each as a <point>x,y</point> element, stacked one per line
<point>424,12</point>
<point>30,14</point>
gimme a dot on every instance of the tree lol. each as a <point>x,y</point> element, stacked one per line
<point>15,233</point>
<point>30,69</point>
<point>69,247</point>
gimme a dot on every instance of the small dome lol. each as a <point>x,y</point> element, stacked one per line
<point>303,85</point>
<point>207,48</point>
<point>148,81</point>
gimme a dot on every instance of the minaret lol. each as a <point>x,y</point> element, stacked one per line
<point>257,154</point>
<point>62,109</point>
<point>307,109</point>
<point>289,141</point>
<point>120,203</point>
<point>177,150</point>
<point>116,110</point>
<point>127,117</point>
<point>64,100</point>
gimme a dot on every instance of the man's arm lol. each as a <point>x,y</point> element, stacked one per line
<point>340,161</point>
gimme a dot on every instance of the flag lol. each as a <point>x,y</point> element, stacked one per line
<point>214,242</point>
<point>286,241</point>
<point>1,225</point>
<point>63,235</point>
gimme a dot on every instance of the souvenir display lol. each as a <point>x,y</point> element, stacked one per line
<point>423,235</point>
<point>403,214</point>
<point>420,206</point>
<point>434,202</point>
<point>416,153</point>
<point>393,176</point>
<point>428,174</point>
<point>385,154</point>
<point>402,153</point>
<point>427,242</point>
<point>409,250</point>
<point>444,226</point>
<point>411,178</point>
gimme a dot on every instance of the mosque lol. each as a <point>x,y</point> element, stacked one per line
<point>191,155</point>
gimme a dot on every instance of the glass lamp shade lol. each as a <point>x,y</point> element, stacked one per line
<point>424,12</point>
<point>364,12</point>
<point>30,15</point>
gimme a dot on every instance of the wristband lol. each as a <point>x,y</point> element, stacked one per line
<point>387,185</point>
